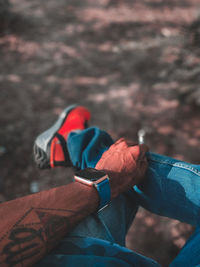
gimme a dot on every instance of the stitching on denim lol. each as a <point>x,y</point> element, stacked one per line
<point>175,164</point>
<point>187,167</point>
<point>152,158</point>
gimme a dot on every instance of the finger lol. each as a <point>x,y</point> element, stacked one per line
<point>120,144</point>
<point>124,143</point>
<point>119,141</point>
<point>113,145</point>
<point>138,151</point>
<point>135,151</point>
<point>143,150</point>
<point>131,143</point>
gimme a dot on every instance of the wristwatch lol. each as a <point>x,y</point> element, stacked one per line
<point>98,179</point>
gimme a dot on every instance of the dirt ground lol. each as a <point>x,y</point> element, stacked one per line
<point>132,63</point>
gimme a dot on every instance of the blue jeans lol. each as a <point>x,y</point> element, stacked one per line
<point>171,188</point>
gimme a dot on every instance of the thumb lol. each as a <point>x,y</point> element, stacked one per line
<point>138,152</point>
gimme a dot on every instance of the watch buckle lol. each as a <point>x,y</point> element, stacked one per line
<point>103,208</point>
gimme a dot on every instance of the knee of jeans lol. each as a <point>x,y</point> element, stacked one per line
<point>111,223</point>
<point>149,200</point>
<point>118,217</point>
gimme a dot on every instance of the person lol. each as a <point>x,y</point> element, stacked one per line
<point>32,225</point>
<point>170,188</point>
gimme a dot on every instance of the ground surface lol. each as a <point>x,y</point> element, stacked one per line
<point>131,62</point>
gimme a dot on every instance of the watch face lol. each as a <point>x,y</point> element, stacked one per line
<point>90,174</point>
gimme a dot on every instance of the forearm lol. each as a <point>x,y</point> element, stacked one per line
<point>32,225</point>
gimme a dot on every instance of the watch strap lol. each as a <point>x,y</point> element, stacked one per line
<point>103,189</point>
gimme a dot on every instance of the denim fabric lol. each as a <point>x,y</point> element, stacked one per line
<point>111,224</point>
<point>86,147</point>
<point>171,188</point>
<point>87,251</point>
<point>189,254</point>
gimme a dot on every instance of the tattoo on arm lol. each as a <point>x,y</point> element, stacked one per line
<point>33,235</point>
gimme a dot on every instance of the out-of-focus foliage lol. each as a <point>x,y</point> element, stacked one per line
<point>4,8</point>
<point>190,93</point>
<point>4,14</point>
<point>194,31</point>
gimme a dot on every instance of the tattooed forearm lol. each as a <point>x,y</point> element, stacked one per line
<point>35,231</point>
<point>25,240</point>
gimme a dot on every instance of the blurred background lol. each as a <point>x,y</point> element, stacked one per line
<point>134,63</point>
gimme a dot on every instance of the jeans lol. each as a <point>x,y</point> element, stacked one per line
<point>171,188</point>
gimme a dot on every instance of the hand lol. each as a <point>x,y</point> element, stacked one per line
<point>125,163</point>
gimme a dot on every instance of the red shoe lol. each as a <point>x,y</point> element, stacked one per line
<point>50,147</point>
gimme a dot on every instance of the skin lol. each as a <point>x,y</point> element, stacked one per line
<point>126,163</point>
<point>31,226</point>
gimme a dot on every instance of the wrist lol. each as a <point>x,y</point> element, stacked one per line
<point>91,197</point>
<point>97,179</point>
<point>119,182</point>
<point>114,188</point>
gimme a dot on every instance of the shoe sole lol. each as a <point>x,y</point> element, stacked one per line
<point>41,148</point>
